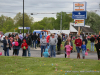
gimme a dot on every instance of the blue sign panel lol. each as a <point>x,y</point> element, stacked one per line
<point>27,27</point>
<point>79,15</point>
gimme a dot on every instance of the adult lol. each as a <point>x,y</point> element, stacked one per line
<point>84,39</point>
<point>98,38</point>
<point>6,46</point>
<point>58,44</point>
<point>48,37</point>
<point>13,35</point>
<point>97,45</point>
<point>53,43</point>
<point>78,43</point>
<point>43,44</point>
<point>38,40</point>
<point>20,36</point>
<point>28,41</point>
<point>34,39</point>
<point>41,35</point>
<point>55,35</point>
<point>70,43</point>
<point>20,42</point>
<point>92,39</point>
<point>88,37</point>
<point>9,35</point>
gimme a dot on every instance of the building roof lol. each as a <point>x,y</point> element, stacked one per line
<point>84,29</point>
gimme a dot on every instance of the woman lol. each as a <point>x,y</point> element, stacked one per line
<point>78,43</point>
<point>20,42</point>
<point>9,35</point>
<point>58,44</point>
<point>6,44</point>
<point>92,39</point>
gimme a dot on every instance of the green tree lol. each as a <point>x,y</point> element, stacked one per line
<point>93,21</point>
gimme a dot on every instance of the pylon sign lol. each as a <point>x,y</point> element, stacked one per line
<point>79,13</point>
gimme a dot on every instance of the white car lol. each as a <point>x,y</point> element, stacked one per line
<point>6,34</point>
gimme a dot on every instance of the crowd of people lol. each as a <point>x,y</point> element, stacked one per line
<point>49,43</point>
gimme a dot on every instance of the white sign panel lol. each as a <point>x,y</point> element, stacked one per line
<point>79,22</point>
<point>79,6</point>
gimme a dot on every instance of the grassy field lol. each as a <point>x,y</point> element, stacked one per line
<point>74,46</point>
<point>47,66</point>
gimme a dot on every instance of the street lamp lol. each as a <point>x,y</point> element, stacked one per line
<point>23,18</point>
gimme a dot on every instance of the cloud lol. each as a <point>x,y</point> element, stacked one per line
<point>42,6</point>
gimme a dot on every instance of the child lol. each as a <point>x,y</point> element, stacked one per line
<point>83,49</point>
<point>15,47</point>
<point>24,46</point>
<point>46,53</point>
<point>67,49</point>
<point>97,45</point>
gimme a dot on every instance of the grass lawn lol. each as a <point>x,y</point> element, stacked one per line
<point>47,66</point>
<point>74,46</point>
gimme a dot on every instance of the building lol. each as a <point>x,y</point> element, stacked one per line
<point>86,30</point>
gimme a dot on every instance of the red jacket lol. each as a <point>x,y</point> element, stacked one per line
<point>78,42</point>
<point>24,44</point>
<point>48,37</point>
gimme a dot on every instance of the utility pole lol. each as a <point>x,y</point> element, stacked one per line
<point>99,5</point>
<point>61,24</point>
<point>23,18</point>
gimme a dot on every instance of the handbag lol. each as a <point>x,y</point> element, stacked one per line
<point>86,53</point>
<point>0,53</point>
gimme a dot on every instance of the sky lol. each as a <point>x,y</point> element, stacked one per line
<point>11,7</point>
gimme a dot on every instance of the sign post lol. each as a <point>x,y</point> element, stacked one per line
<point>79,14</point>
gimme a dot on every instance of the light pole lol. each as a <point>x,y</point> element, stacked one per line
<point>61,24</point>
<point>23,18</point>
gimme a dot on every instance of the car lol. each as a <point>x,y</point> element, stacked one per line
<point>6,34</point>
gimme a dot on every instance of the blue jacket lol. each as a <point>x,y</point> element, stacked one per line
<point>83,47</point>
<point>5,44</point>
<point>46,54</point>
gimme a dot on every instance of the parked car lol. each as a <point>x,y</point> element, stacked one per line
<point>6,34</point>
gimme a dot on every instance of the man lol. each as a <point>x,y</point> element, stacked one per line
<point>43,44</point>
<point>41,35</point>
<point>19,41</point>
<point>28,41</point>
<point>53,42</point>
<point>34,36</point>
<point>13,35</point>
<point>20,36</point>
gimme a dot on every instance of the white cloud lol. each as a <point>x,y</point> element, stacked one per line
<point>42,6</point>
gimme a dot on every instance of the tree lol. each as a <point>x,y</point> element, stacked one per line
<point>93,21</point>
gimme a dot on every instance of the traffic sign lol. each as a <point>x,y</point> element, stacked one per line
<point>79,15</point>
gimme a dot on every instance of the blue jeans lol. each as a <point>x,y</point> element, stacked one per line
<point>53,50</point>
<point>92,45</point>
<point>24,52</point>
<point>78,49</point>
<point>34,41</point>
<point>18,50</point>
<point>29,54</point>
<point>43,48</point>
<point>6,52</point>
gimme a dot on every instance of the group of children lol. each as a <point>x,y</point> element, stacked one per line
<point>15,46</point>
<point>68,49</point>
